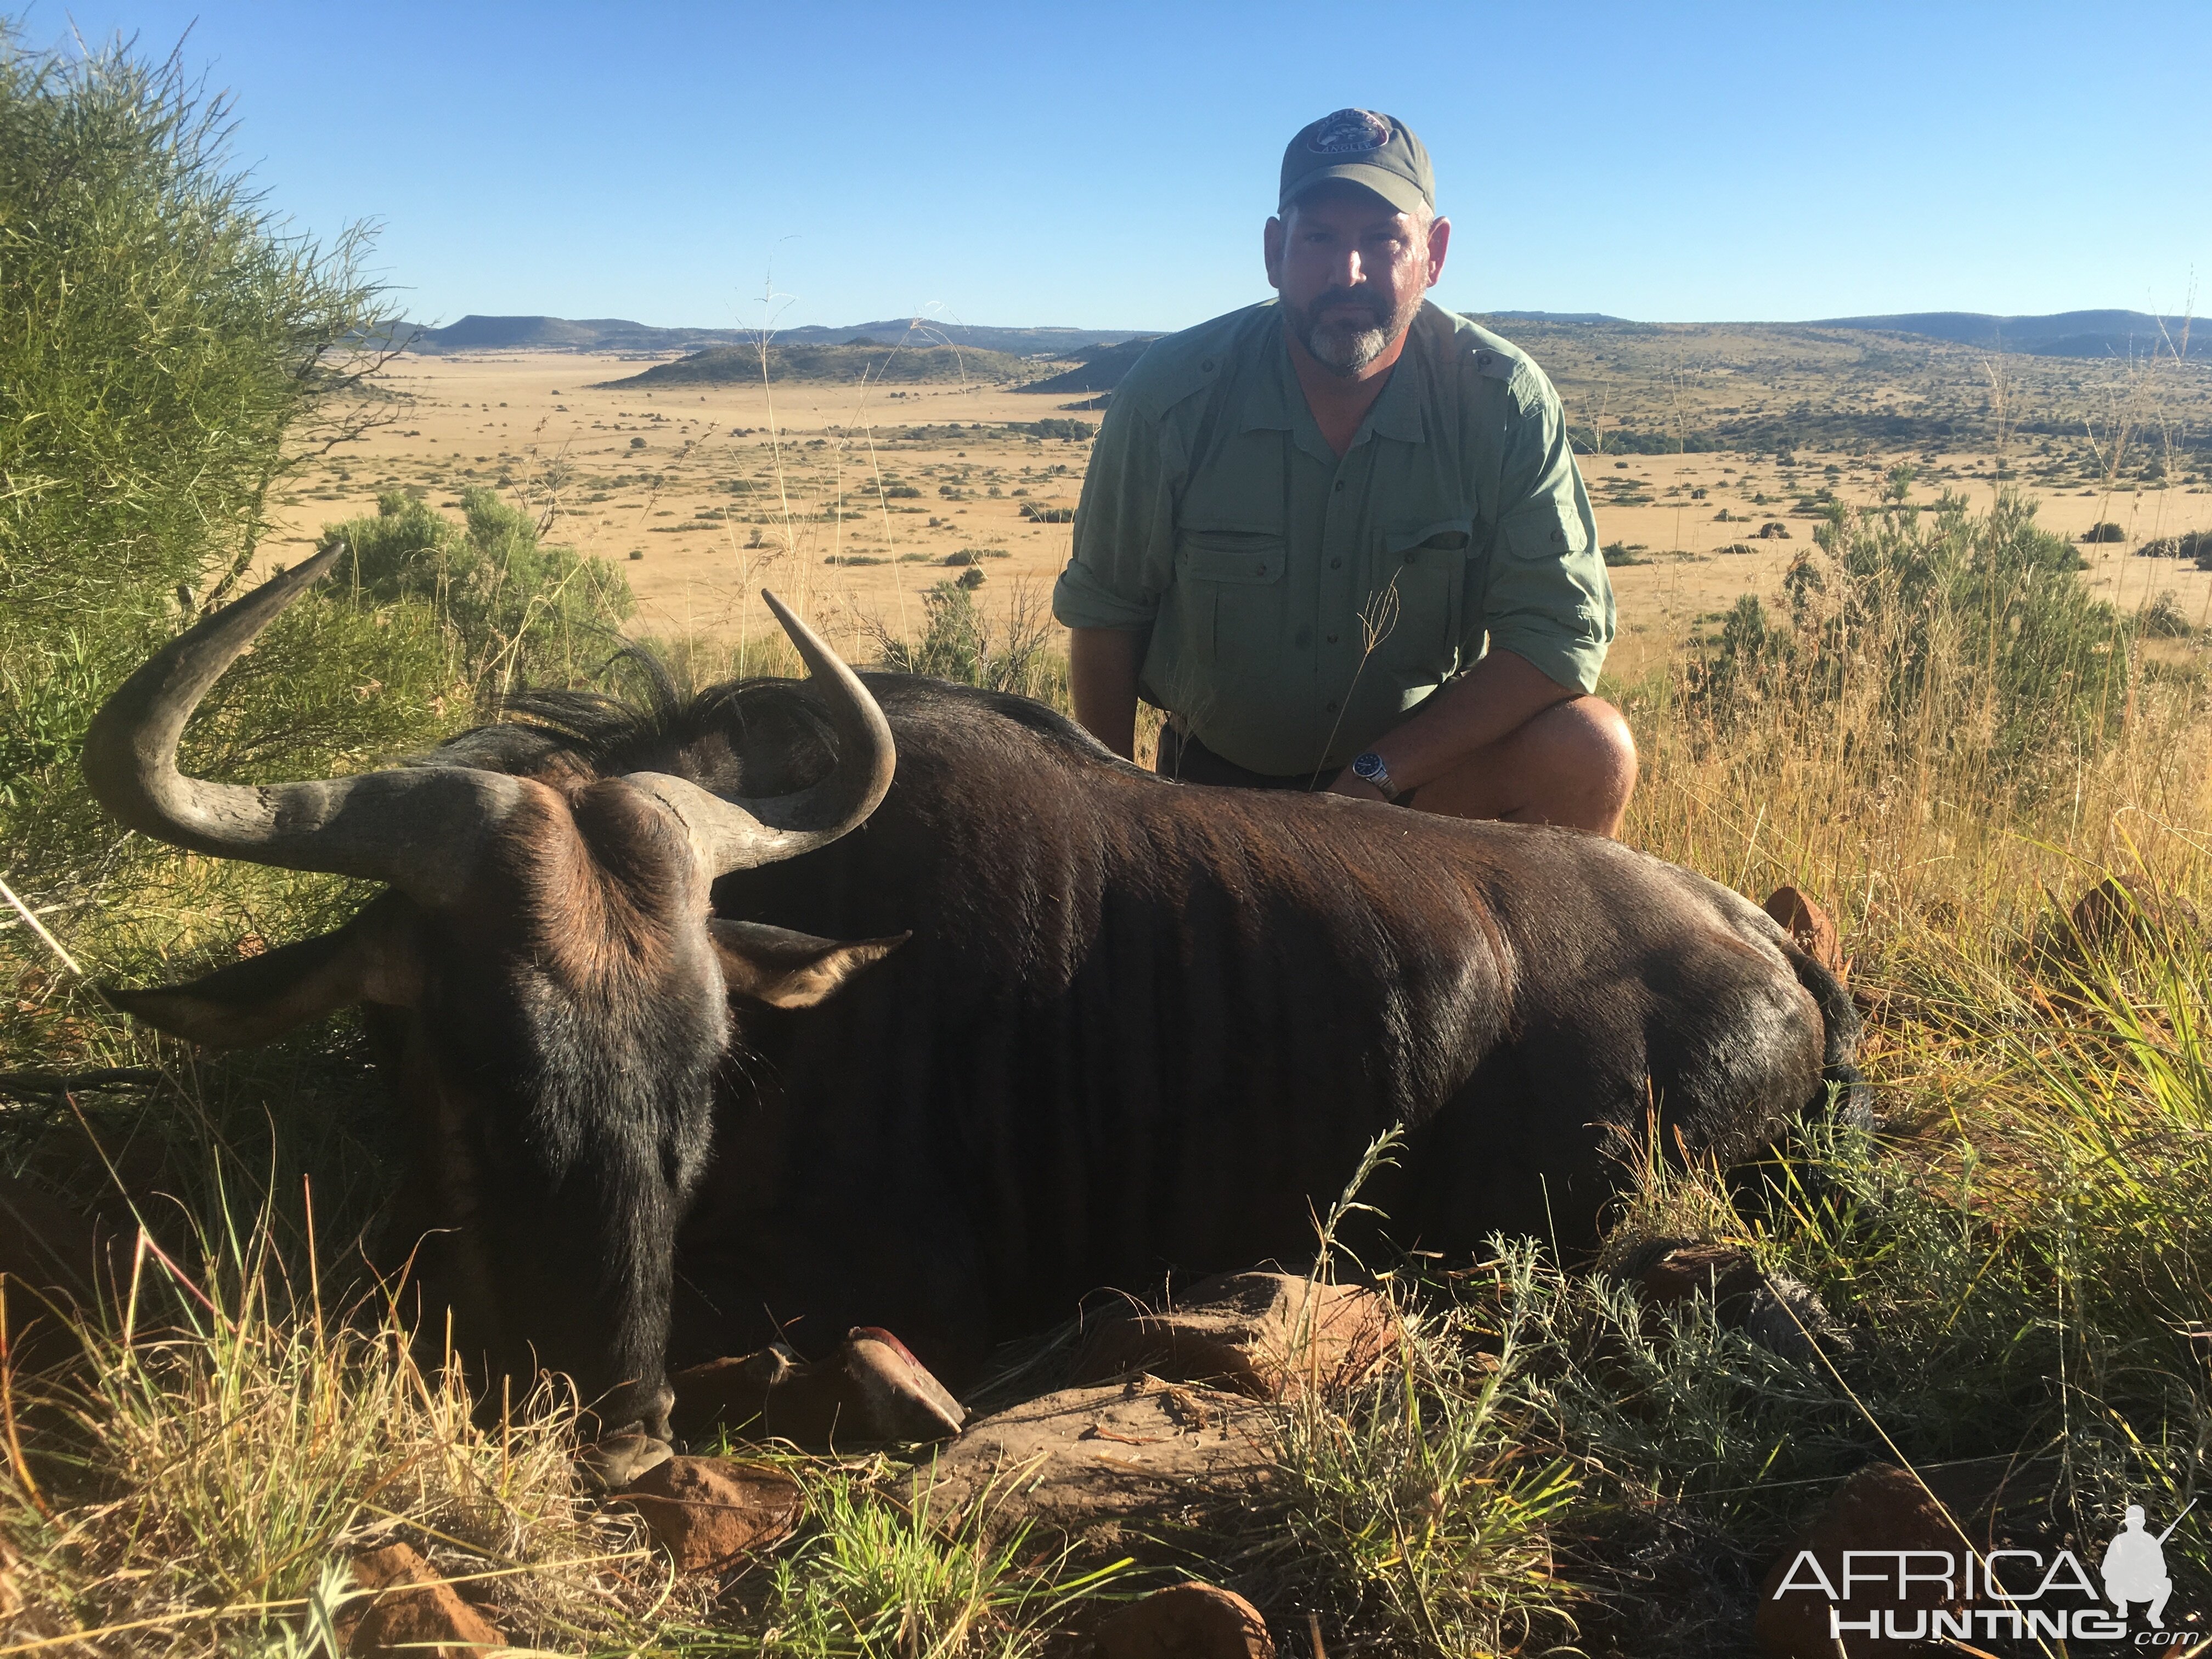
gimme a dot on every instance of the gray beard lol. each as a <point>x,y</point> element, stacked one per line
<point>1346,347</point>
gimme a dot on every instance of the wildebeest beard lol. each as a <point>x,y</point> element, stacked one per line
<point>1348,347</point>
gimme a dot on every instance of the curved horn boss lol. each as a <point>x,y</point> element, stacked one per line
<point>419,828</point>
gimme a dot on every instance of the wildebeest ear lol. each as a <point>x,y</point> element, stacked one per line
<point>786,969</point>
<point>370,960</point>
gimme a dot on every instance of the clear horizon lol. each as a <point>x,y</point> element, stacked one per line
<point>1019,166</point>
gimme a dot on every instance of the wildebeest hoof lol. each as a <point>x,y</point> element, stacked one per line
<point>1780,1313</point>
<point>870,1389</point>
<point>614,1460</point>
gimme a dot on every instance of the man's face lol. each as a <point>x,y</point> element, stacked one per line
<point>1351,270</point>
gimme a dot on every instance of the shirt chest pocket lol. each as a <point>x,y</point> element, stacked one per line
<point>1417,597</point>
<point>1233,588</point>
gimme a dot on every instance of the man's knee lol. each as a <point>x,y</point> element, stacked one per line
<point>1589,761</point>
<point>1573,763</point>
<point>1601,730</point>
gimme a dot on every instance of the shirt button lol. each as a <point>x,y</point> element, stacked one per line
<point>1331,709</point>
<point>1332,639</point>
<point>1206,367</point>
<point>1339,483</point>
<point>1336,564</point>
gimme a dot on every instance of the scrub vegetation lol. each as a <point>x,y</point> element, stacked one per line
<point>1937,729</point>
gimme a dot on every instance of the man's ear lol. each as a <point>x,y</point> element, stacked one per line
<point>1439,245</point>
<point>371,959</point>
<point>1271,251</point>
<point>786,969</point>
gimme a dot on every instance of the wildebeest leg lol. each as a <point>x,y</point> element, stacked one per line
<point>1501,1157</point>
<point>741,1285</point>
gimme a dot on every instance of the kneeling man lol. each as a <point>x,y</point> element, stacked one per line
<point>1339,536</point>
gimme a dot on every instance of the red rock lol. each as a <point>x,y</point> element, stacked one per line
<point>872,1389</point>
<point>1186,1621</point>
<point>413,1611</point>
<point>709,1513</point>
<point>1806,923</point>
<point>2127,909</point>
<point>1262,1334</point>
<point>1142,1451</point>
<point>1879,1508</point>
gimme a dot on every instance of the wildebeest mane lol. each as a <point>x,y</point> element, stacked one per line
<point>762,735</point>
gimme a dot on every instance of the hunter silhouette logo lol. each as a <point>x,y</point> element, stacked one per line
<point>2133,1567</point>
<point>1971,1594</point>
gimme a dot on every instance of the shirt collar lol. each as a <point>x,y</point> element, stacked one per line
<point>1274,401</point>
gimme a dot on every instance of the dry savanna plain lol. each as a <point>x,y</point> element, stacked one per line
<point>854,499</point>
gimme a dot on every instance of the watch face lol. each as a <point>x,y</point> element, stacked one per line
<point>1369,766</point>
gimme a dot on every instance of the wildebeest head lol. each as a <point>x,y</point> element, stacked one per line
<point>546,971</point>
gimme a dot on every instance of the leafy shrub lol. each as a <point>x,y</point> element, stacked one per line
<point>959,643</point>
<point>1038,513</point>
<point>161,337</point>
<point>519,609</point>
<point>1969,636</point>
<point>1054,426</point>
<point>2106,531</point>
<point>1619,553</point>
<point>2164,618</point>
<point>2190,544</point>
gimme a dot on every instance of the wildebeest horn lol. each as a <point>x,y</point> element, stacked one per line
<point>751,831</point>
<point>417,828</point>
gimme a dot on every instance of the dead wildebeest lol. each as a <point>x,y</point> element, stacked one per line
<point>1134,1026</point>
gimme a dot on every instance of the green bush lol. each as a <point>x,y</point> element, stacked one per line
<point>959,642</point>
<point>519,610</point>
<point>2104,531</point>
<point>164,343</point>
<point>1968,635</point>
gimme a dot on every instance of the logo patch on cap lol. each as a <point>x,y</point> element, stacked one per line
<point>1347,131</point>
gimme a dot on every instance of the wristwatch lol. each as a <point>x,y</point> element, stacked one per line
<point>1370,767</point>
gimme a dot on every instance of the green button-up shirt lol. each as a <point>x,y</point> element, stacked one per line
<point>1298,605</point>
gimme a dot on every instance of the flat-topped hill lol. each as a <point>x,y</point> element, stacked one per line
<point>909,364</point>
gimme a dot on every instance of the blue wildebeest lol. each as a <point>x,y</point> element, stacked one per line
<point>702,1017</point>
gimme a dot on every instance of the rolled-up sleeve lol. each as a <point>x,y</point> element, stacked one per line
<point>1549,598</point>
<point>1124,542</point>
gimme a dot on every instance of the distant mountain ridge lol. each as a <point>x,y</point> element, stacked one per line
<point>480,333</point>
<point>2062,334</point>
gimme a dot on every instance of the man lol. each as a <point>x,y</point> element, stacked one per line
<point>1340,535</point>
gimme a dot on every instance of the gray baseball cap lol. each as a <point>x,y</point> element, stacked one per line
<point>1378,151</point>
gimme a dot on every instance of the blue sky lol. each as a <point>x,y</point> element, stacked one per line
<point>1111,165</point>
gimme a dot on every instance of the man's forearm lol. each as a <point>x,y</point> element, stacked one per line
<point>1498,695</point>
<point>1102,676</point>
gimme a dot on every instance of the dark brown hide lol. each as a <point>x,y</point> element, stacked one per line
<point>1144,1027</point>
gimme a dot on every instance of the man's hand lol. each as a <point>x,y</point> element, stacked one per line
<point>1101,677</point>
<point>1498,695</point>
